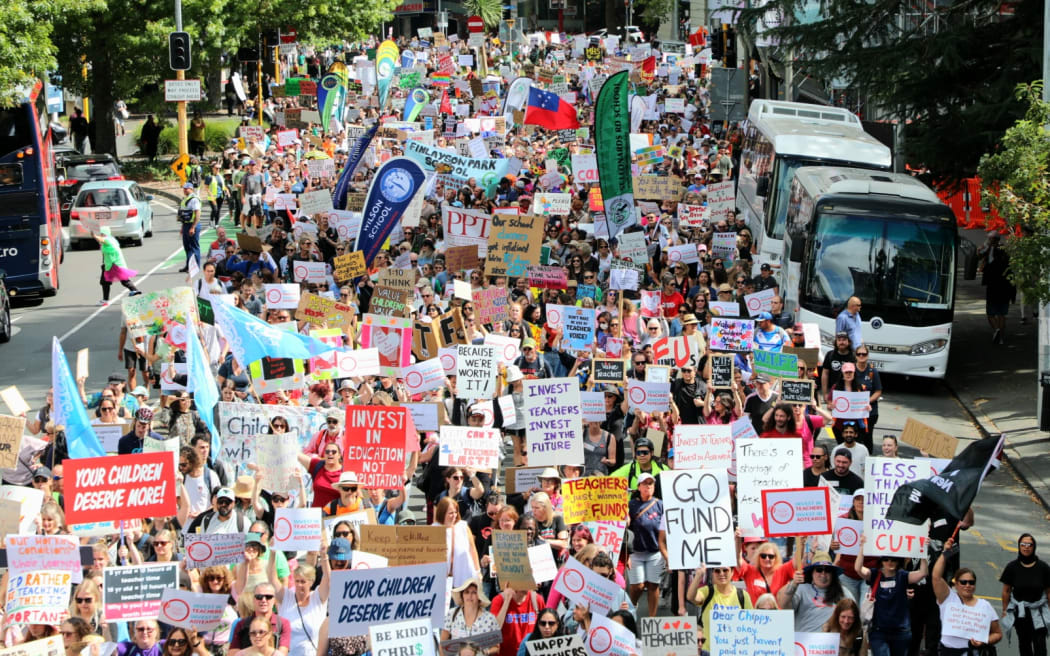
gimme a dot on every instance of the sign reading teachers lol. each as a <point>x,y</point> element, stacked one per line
<point>764,465</point>
<point>370,597</point>
<point>553,430</point>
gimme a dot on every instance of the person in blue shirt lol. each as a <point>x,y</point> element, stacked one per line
<point>769,336</point>
<point>848,321</point>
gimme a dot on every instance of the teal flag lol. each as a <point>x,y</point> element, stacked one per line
<point>612,140</point>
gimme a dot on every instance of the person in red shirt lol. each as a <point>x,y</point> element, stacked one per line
<point>670,300</point>
<point>780,422</point>
<point>516,612</point>
<point>766,572</point>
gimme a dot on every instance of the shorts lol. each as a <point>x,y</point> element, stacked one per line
<point>996,308</point>
<point>133,360</point>
<point>645,567</point>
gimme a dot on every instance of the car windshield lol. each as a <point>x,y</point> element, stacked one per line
<point>102,198</point>
<point>92,171</point>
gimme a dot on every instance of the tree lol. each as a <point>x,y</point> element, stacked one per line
<point>490,11</point>
<point>946,68</point>
<point>1015,180</point>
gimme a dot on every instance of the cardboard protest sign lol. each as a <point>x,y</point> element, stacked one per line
<point>513,245</point>
<point>136,486</point>
<point>732,334</point>
<point>213,549</point>
<point>751,632</point>
<point>466,446</point>
<point>476,371</point>
<point>405,545</point>
<point>192,610</point>
<point>703,446</point>
<point>349,266</point>
<point>764,465</point>
<point>297,529</point>
<point>552,421</point>
<point>364,598</point>
<point>886,537</point>
<point>510,555</point>
<point>425,340</point>
<point>648,396</point>
<point>58,553</point>
<point>38,597</point>
<point>134,592</point>
<point>796,391</point>
<point>388,301</point>
<point>699,518</point>
<point>374,445</point>
<point>722,371</point>
<point>605,370</point>
<point>817,644</point>
<point>567,645</point>
<point>667,636</point>
<point>801,511</point>
<point>392,336</point>
<point>461,258</point>
<point>582,586</point>
<point>594,498</point>
<point>491,305</point>
<point>777,365</point>
<point>318,309</point>
<point>415,637</point>
<point>930,440</point>
<point>850,405</point>
<point>523,479</point>
<point>11,429</point>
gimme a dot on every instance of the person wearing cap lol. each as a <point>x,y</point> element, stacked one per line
<point>222,518</point>
<point>43,480</point>
<point>813,593</point>
<point>252,570</point>
<point>644,463</point>
<point>114,389</point>
<point>848,321</point>
<point>765,279</point>
<point>189,217</point>
<point>759,402</point>
<point>769,336</point>
<point>516,430</point>
<point>831,369</point>
<point>688,392</point>
<point>331,434</point>
<point>133,440</point>
<point>647,564</point>
<point>530,363</point>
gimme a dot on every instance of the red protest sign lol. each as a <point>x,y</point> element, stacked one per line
<point>374,446</point>
<point>137,486</point>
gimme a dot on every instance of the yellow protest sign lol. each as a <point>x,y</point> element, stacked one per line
<point>595,499</point>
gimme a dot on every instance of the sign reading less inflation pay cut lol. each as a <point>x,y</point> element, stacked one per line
<point>182,90</point>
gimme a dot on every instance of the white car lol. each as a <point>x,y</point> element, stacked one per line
<point>120,205</point>
<point>634,34</point>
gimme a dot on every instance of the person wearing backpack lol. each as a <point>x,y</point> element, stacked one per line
<point>222,518</point>
<point>718,594</point>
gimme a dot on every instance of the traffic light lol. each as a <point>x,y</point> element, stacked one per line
<point>717,45</point>
<point>179,58</point>
<point>730,48</point>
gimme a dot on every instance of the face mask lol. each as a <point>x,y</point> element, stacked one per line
<point>603,326</point>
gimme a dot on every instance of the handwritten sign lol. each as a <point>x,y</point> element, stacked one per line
<point>962,621</point>
<point>39,597</point>
<point>764,465</point>
<point>405,545</point>
<point>605,370</point>
<point>796,391</point>
<point>28,553</point>
<point>510,551</point>
<point>777,365</point>
<point>722,371</point>
<point>667,636</point>
<point>491,305</point>
<point>466,446</point>
<point>595,498</point>
<point>557,646</point>
<point>349,266</point>
<point>886,537</point>
<point>802,511</point>
<point>476,371</point>
<point>739,632</point>
<point>135,592</point>
<point>699,516</point>
<point>11,429</point>
<point>514,244</point>
<point>703,446</point>
<point>930,440</point>
<point>552,421</point>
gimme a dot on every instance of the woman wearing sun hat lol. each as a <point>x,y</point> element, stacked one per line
<point>471,616</point>
<point>813,593</point>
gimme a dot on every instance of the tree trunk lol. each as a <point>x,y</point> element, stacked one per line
<point>105,138</point>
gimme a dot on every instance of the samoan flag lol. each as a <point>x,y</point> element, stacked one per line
<point>549,111</point>
<point>69,411</point>
<point>253,339</point>
<point>353,158</point>
<point>201,382</point>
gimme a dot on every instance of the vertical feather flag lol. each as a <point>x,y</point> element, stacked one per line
<point>327,98</point>
<point>612,146</point>
<point>386,60</point>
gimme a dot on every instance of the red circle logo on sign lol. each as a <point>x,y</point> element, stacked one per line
<point>199,551</point>
<point>782,512</point>
<point>841,404</point>
<point>414,379</point>
<point>274,296</point>
<point>509,352</point>
<point>177,610</point>
<point>448,362</point>
<point>637,395</point>
<point>600,640</point>
<point>847,536</point>
<point>573,581</point>
<point>282,529</point>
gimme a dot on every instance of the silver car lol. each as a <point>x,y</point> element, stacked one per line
<point>120,205</point>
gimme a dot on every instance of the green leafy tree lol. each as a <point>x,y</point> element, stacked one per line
<point>949,72</point>
<point>491,11</point>
<point>1016,183</point>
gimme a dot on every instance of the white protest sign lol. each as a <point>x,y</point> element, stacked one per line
<point>886,537</point>
<point>507,350</point>
<point>684,254</point>
<point>703,446</point>
<point>210,549</point>
<point>648,396</point>
<point>592,405</point>
<point>466,446</point>
<point>413,637</point>
<point>463,227</point>
<point>850,405</point>
<point>962,621</point>
<point>476,371</point>
<point>581,585</point>
<point>817,644</point>
<point>365,560</point>
<point>281,297</point>
<point>764,465</point>
<point>297,529</point>
<point>553,426</point>
<point>364,598</point>
<point>449,357</point>
<point>308,271</point>
<point>359,362</point>
<point>740,632</point>
<point>802,511</point>
<point>314,202</point>
<point>29,499</point>
<point>609,638</point>
<point>192,610</point>
<point>699,516</point>
<point>720,200</point>
<point>275,455</point>
<point>423,376</point>
<point>847,533</point>
<point>541,559</point>
<point>760,301</point>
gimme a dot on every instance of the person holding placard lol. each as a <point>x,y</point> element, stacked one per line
<point>470,616</point>
<point>647,564</point>
<point>765,572</point>
<point>548,625</point>
<point>959,605</point>
<point>813,593</point>
<point>307,608</point>
<point>890,630</point>
<point>722,407</point>
<point>845,621</point>
<point>719,592</point>
<point>463,562</point>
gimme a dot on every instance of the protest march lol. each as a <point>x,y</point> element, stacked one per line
<point>484,359</point>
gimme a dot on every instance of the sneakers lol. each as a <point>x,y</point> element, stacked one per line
<point>996,336</point>
<point>135,293</point>
<point>103,303</point>
<point>184,270</point>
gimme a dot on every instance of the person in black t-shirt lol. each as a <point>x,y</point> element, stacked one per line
<point>839,476</point>
<point>688,393</point>
<point>831,371</point>
<point>1026,583</point>
<point>811,475</point>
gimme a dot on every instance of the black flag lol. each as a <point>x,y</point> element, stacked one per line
<point>952,491</point>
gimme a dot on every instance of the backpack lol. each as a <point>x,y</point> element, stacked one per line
<point>710,597</point>
<point>203,520</point>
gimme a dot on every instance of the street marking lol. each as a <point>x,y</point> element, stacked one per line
<point>1006,546</point>
<point>174,210</point>
<point>980,538</point>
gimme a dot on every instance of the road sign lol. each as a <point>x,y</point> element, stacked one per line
<point>178,166</point>
<point>475,25</point>
<point>182,90</point>
<point>289,35</point>
<point>728,94</point>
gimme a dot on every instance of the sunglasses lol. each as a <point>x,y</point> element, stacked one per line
<point>768,556</point>
<point>263,597</point>
<point>341,534</point>
<point>259,632</point>
<point>822,570</point>
<point>339,564</point>
<point>177,642</point>
<point>159,543</point>
<point>547,623</point>
<point>85,600</point>
<point>457,477</point>
<point>331,453</point>
<point>967,581</point>
<point>352,488</point>
<point>278,499</point>
<point>107,409</point>
<point>643,452</point>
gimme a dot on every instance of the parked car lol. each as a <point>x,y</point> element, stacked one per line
<point>75,169</point>
<point>120,205</point>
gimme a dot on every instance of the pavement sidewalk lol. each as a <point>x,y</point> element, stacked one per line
<point>998,384</point>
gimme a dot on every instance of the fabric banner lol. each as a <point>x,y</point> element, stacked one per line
<point>613,150</point>
<point>391,191</point>
<point>358,147</point>
<point>487,172</point>
<point>69,410</point>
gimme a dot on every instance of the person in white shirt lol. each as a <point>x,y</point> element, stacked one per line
<point>850,443</point>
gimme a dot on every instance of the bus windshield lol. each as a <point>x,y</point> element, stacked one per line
<point>15,129</point>
<point>894,264</point>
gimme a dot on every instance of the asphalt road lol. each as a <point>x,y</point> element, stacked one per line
<point>1003,509</point>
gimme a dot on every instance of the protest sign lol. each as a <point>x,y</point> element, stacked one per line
<point>722,371</point>
<point>134,592</point>
<point>137,486</point>
<point>476,371</point>
<point>566,645</point>
<point>609,638</point>
<point>29,500</point>
<point>648,396</point>
<point>59,553</point>
<point>548,277</point>
<point>847,533</point>
<point>14,401</point>
<point>578,328</point>
<point>723,244</point>
<point>461,258</point>
<point>392,336</point>
<point>10,512</point>
<point>405,545</point>
<point>486,640</point>
<point>491,305</point>
<point>738,632</point>
<point>374,445</point>
<point>850,405</point>
<point>192,610</point>
<point>732,334</point>
<point>315,202</point>
<point>425,342</point>
<point>667,636</point>
<point>802,511</point>
<point>703,446</point>
<point>605,370</point>
<point>725,309</point>
<point>11,429</point>
<point>151,312</point>
<point>426,416</point>
<point>365,560</point>
<point>510,555</point>
<point>272,374</point>
<point>592,407</point>
<point>760,301</point>
<point>47,646</point>
<point>797,392</point>
<point>691,216</point>
<point>359,362</point>
<point>411,637</point>
<point>633,250</point>
<point>676,351</point>
<point>552,421</point>
<point>424,376</point>
<point>372,597</point>
<point>594,498</point>
<point>463,227</point>
<point>388,301</point>
<point>213,549</point>
<point>303,271</point>
<point>930,440</point>
<point>683,254</point>
<point>514,244</point>
<point>466,446</point>
<point>582,586</point>
<point>972,622</point>
<point>297,529</point>
<point>507,350</point>
<point>764,465</point>
<point>541,559</point>
<point>777,365</point>
<point>275,456</point>
<point>887,537</point>
<point>817,644</point>
<point>349,266</point>
<point>37,597</point>
<point>548,204</point>
<point>523,479</point>
<point>657,187</point>
<point>699,518</point>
